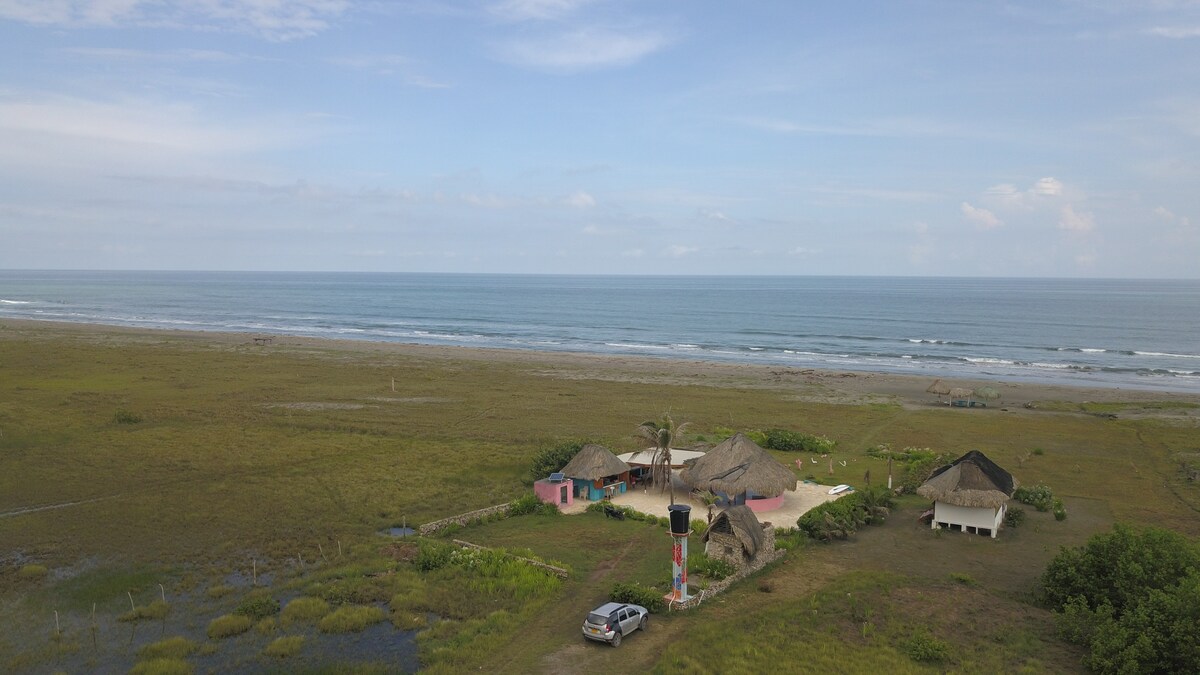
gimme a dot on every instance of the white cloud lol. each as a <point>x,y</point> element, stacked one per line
<point>1009,196</point>
<point>580,200</point>
<point>584,49</point>
<point>678,250</point>
<point>270,19</point>
<point>1175,32</point>
<point>1165,214</point>
<point>541,10</point>
<point>1075,222</point>
<point>982,217</point>
<point>1051,187</point>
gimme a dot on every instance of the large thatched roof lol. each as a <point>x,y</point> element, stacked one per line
<point>594,462</point>
<point>738,465</point>
<point>741,522</point>
<point>972,480</point>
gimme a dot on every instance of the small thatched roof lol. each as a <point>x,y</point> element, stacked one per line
<point>738,465</point>
<point>960,393</point>
<point>594,462</point>
<point>741,522</point>
<point>938,387</point>
<point>972,480</point>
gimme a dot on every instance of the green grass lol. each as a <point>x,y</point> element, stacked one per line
<point>170,648</point>
<point>31,571</point>
<point>155,610</point>
<point>240,456</point>
<point>350,619</point>
<point>304,610</point>
<point>284,647</point>
<point>162,666</point>
<point>228,625</point>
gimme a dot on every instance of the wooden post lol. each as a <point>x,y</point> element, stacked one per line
<point>393,385</point>
<point>889,473</point>
<point>253,572</point>
<point>57,628</point>
<point>132,606</point>
<point>339,548</point>
<point>163,591</point>
<point>830,466</point>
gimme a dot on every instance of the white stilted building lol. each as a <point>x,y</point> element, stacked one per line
<point>969,495</point>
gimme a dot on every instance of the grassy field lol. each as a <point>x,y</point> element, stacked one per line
<point>129,460</point>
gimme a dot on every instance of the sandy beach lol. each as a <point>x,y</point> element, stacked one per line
<point>804,384</point>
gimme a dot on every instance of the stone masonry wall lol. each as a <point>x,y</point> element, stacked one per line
<point>463,518</point>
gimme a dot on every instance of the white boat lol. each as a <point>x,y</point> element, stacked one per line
<point>839,489</point>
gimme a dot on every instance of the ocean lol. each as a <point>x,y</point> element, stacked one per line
<point>1090,332</point>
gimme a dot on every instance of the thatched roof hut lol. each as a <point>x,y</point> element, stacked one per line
<point>972,481</point>
<point>736,466</point>
<point>739,525</point>
<point>594,462</point>
<point>961,393</point>
<point>938,387</point>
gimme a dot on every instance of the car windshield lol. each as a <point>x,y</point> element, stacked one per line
<point>598,619</point>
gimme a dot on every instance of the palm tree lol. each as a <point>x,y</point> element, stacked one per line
<point>662,433</point>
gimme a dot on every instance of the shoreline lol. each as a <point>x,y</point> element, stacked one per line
<point>812,384</point>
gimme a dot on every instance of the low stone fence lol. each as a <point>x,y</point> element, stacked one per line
<point>556,571</point>
<point>463,518</point>
<point>760,561</point>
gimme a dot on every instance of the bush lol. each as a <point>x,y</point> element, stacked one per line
<point>713,568</point>
<point>918,469</point>
<point>794,441</point>
<point>351,618</point>
<point>170,648</point>
<point>964,578</point>
<point>842,517</point>
<point>1060,511</point>
<point>155,610</point>
<point>304,610</point>
<point>925,648</point>
<point>32,571</point>
<point>258,605</point>
<point>529,503</point>
<point>646,596</point>
<point>126,417</point>
<point>432,555</point>
<point>1130,597</point>
<point>284,647</point>
<point>1039,496</point>
<point>228,625</point>
<point>551,460</point>
<point>1014,516</point>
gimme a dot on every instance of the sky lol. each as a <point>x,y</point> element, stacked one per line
<point>1039,138</point>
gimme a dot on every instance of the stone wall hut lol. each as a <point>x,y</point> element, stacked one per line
<point>969,495</point>
<point>741,472</point>
<point>736,536</point>
<point>596,473</point>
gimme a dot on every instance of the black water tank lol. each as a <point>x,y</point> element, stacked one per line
<point>679,518</point>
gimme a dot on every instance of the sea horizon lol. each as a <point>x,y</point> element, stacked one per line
<point>1071,331</point>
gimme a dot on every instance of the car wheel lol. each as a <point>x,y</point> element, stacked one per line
<point>645,620</point>
<point>616,641</point>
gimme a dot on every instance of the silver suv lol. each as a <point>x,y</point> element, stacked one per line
<point>608,622</point>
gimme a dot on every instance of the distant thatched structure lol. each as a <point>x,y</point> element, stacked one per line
<point>971,481</point>
<point>961,394</point>
<point>735,536</point>
<point>738,466</point>
<point>938,387</point>
<point>594,462</point>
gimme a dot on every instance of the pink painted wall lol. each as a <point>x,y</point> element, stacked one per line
<point>551,493</point>
<point>768,504</point>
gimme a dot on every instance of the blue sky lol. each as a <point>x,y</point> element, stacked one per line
<point>1042,138</point>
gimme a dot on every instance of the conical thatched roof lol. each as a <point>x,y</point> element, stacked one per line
<point>594,462</point>
<point>972,480</point>
<point>938,387</point>
<point>741,522</point>
<point>738,465</point>
<point>960,393</point>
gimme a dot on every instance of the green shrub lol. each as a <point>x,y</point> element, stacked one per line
<point>126,417</point>
<point>647,596</point>
<point>842,517</point>
<point>918,469</point>
<point>925,648</point>
<point>529,503</point>
<point>304,610</point>
<point>553,459</point>
<point>219,591</point>
<point>228,625</point>
<point>351,618</point>
<point>1038,452</point>
<point>1060,511</point>
<point>258,605</point>
<point>164,666</point>
<point>432,555</point>
<point>1014,516</point>
<point>170,648</point>
<point>283,647</point>
<point>964,578</point>
<point>1039,496</point>
<point>794,441</point>
<point>713,568</point>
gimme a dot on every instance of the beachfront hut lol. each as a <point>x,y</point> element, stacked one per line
<point>740,472</point>
<point>960,397</point>
<point>940,388</point>
<point>969,495</point>
<point>596,473</point>
<point>736,536</point>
